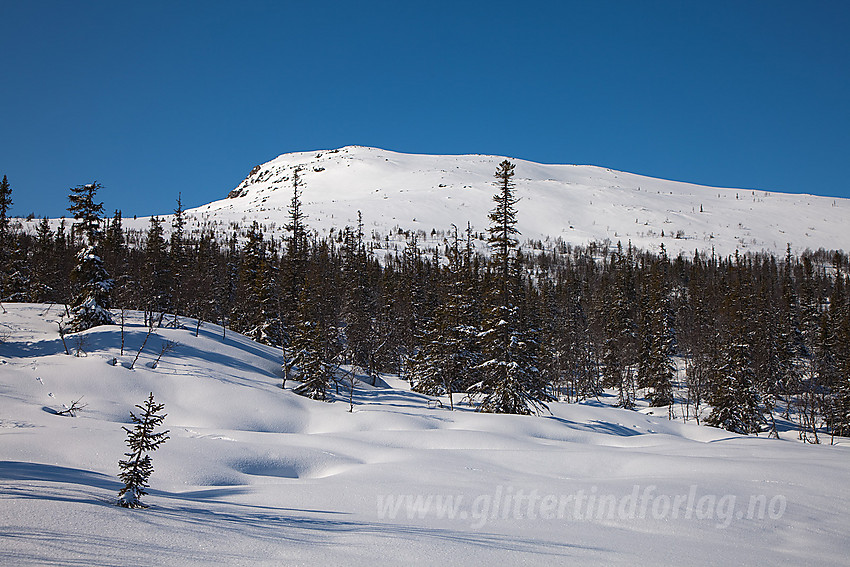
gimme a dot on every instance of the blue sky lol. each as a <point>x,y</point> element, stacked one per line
<point>155,98</point>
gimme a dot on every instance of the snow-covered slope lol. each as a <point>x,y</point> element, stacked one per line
<point>578,204</point>
<point>256,475</point>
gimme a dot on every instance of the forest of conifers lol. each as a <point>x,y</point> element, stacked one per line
<point>742,342</point>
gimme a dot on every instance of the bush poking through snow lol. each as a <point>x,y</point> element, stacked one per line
<point>71,411</point>
<point>137,468</point>
<point>165,347</point>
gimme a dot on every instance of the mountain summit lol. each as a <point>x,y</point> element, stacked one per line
<point>398,192</point>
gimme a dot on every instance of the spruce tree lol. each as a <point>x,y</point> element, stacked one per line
<point>620,330</point>
<point>656,370</point>
<point>86,211</point>
<point>447,359</point>
<point>511,381</point>
<point>840,304</point>
<point>178,260</point>
<point>91,302</point>
<point>565,342</point>
<point>359,302</point>
<point>313,346</point>
<point>113,243</point>
<point>734,397</point>
<point>816,362</point>
<point>247,316</point>
<point>406,311</point>
<point>792,348</point>
<point>297,241</point>
<point>314,372</point>
<point>836,340</point>
<point>205,276</point>
<point>697,332</point>
<point>19,280</point>
<point>293,266</point>
<point>5,203</point>
<point>257,298</point>
<point>772,358</point>
<point>42,264</point>
<point>62,264</point>
<point>115,258</point>
<point>136,469</point>
<point>157,275</point>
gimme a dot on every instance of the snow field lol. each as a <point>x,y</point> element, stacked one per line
<point>578,203</point>
<point>256,475</point>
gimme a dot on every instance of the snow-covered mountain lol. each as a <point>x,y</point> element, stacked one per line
<point>256,475</point>
<point>576,203</point>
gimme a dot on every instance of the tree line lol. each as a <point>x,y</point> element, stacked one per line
<point>754,337</point>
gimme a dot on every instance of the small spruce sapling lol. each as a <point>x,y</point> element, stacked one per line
<point>137,468</point>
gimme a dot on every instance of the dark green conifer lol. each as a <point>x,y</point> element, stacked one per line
<point>142,439</point>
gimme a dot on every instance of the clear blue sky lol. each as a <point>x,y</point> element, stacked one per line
<point>155,98</point>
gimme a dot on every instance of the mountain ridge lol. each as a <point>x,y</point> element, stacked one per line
<point>398,192</point>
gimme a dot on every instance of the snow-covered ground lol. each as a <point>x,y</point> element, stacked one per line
<point>254,474</point>
<point>576,203</point>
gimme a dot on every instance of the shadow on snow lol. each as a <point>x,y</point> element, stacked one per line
<point>297,526</point>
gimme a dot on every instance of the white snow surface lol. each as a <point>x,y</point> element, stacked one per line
<point>256,475</point>
<point>577,203</point>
